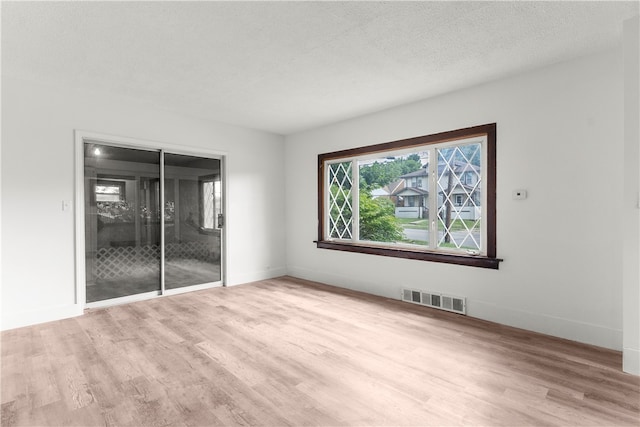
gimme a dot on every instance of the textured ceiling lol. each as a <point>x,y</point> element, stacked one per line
<point>289,66</point>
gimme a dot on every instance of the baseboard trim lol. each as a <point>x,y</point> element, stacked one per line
<point>34,317</point>
<point>573,330</point>
<point>254,276</point>
<point>558,327</point>
<point>28,318</point>
<point>631,361</point>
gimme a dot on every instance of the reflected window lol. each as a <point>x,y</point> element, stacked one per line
<point>211,204</point>
<point>208,205</point>
<point>109,191</point>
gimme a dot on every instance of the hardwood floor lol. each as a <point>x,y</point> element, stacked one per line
<point>291,352</point>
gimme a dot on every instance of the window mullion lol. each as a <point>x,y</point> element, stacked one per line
<point>433,198</point>
<point>355,200</point>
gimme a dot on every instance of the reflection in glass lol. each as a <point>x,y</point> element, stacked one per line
<point>192,203</point>
<point>122,225</point>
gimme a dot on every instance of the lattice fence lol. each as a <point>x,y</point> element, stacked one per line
<point>187,251</point>
<point>127,261</point>
<point>113,262</point>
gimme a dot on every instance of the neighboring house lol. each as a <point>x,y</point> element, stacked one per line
<point>464,194</point>
<point>387,192</point>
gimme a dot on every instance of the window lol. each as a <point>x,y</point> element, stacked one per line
<point>468,178</point>
<point>211,196</point>
<point>208,205</point>
<point>109,191</point>
<point>415,182</point>
<point>444,213</point>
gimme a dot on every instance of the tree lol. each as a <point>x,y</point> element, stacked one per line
<point>377,175</point>
<point>411,164</point>
<point>377,220</point>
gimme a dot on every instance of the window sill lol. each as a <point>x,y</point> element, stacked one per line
<point>448,258</point>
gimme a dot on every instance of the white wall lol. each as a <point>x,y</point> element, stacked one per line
<point>38,125</point>
<point>631,201</point>
<point>559,137</point>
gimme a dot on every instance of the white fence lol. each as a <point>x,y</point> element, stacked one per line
<point>409,212</point>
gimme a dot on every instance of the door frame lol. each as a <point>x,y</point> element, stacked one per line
<point>80,137</point>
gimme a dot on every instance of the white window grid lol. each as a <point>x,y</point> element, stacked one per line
<point>468,240</point>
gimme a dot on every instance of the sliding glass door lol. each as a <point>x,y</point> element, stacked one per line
<point>191,228</point>
<point>145,235</point>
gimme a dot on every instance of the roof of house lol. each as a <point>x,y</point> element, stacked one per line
<point>420,172</point>
<point>389,189</point>
<point>395,186</point>
<point>378,192</point>
<point>462,189</point>
<point>408,190</point>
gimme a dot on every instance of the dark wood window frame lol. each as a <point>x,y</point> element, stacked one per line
<point>489,260</point>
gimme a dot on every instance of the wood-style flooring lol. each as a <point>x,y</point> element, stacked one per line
<point>290,352</point>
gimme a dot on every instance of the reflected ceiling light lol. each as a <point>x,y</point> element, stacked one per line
<point>96,151</point>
